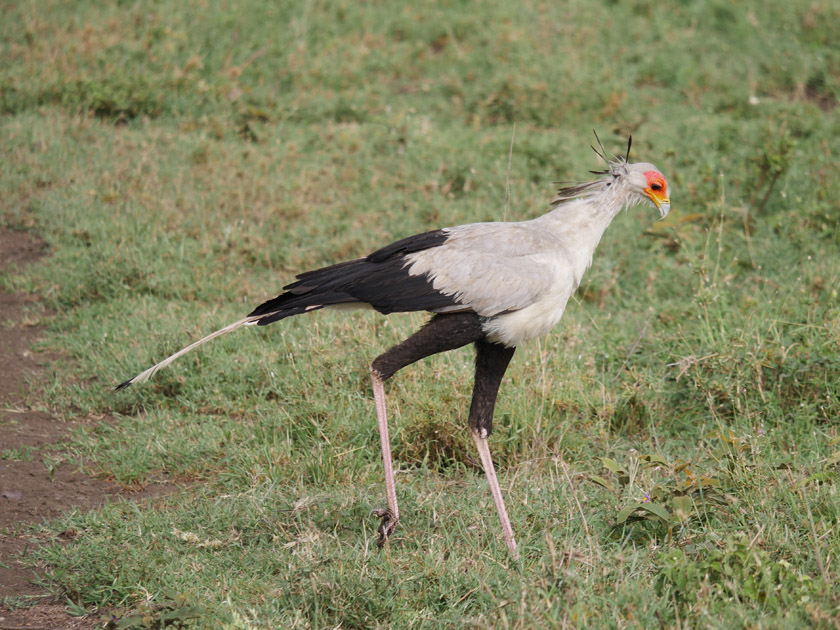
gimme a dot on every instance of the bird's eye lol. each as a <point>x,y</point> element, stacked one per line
<point>656,186</point>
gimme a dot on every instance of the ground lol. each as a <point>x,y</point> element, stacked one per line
<point>669,454</point>
<point>39,487</point>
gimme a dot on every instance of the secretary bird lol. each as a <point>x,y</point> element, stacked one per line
<point>495,285</point>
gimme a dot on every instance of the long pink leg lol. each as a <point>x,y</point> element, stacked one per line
<point>496,491</point>
<point>440,334</point>
<point>392,514</point>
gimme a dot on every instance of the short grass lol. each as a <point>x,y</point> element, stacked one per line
<point>669,453</point>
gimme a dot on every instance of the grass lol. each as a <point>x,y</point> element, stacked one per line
<point>669,453</point>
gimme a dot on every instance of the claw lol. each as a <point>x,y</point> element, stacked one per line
<point>386,527</point>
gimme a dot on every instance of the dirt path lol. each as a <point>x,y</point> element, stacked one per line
<point>29,493</point>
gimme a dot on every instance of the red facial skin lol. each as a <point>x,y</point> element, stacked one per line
<point>657,187</point>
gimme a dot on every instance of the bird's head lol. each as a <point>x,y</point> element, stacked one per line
<point>646,181</point>
<point>624,182</point>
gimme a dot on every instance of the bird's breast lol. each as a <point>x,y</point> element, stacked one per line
<point>516,327</point>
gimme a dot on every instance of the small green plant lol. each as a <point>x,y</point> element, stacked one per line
<point>114,98</point>
<point>18,454</point>
<point>51,464</point>
<point>739,569</point>
<point>175,612</point>
<point>773,161</point>
<point>649,488</point>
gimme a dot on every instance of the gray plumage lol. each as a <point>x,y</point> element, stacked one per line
<point>520,275</point>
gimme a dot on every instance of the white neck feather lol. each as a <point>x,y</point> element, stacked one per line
<point>579,224</point>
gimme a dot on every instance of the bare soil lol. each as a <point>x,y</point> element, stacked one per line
<point>32,487</point>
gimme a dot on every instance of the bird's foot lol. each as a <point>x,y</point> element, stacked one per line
<point>387,526</point>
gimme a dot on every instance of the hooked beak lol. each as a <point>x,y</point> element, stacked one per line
<point>662,202</point>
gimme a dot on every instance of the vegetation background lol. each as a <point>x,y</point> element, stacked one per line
<point>669,453</point>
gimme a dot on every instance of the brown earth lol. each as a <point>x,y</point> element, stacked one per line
<point>35,482</point>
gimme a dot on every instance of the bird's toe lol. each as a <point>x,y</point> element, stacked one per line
<point>386,527</point>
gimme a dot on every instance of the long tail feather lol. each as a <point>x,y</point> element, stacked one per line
<point>147,374</point>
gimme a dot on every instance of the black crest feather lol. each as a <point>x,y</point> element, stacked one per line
<point>603,155</point>
<point>615,167</point>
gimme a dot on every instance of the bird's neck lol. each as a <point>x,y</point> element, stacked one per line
<point>579,224</point>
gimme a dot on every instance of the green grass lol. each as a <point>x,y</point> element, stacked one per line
<point>669,453</point>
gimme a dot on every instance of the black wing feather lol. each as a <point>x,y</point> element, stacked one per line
<point>379,279</point>
<point>415,243</point>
